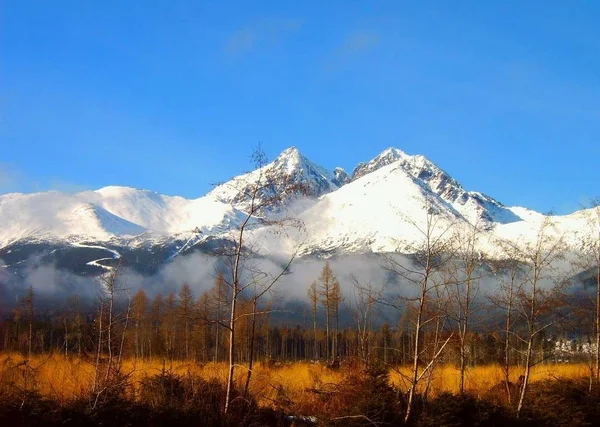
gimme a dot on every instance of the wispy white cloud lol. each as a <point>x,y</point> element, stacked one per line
<point>353,45</point>
<point>242,41</point>
<point>271,30</point>
<point>359,42</point>
<point>66,186</point>
<point>14,180</point>
<point>9,178</point>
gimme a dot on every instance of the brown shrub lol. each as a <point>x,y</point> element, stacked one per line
<point>562,403</point>
<point>361,397</point>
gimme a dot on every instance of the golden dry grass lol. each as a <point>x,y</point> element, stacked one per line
<point>64,379</point>
<point>480,379</point>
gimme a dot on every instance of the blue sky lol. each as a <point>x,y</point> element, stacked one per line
<point>173,95</point>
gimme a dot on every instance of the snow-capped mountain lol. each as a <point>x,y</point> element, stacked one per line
<point>289,176</point>
<point>384,210</point>
<point>475,207</point>
<point>57,215</point>
<point>380,211</point>
<point>381,208</point>
<point>387,156</point>
<point>109,213</point>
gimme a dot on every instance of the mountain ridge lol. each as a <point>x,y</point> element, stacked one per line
<point>366,211</point>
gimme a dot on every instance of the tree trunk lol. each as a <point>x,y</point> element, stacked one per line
<point>111,302</point>
<point>251,350</point>
<point>327,352</point>
<point>463,336</point>
<point>416,351</point>
<point>316,344</point>
<point>526,376</point>
<point>232,317</point>
<point>597,353</point>
<point>231,353</point>
<point>507,348</point>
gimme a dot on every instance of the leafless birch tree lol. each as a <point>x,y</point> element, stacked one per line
<point>430,254</point>
<point>539,300</point>
<point>590,262</point>
<point>463,288</point>
<point>244,278</point>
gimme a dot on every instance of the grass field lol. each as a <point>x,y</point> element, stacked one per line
<point>481,378</point>
<point>64,379</point>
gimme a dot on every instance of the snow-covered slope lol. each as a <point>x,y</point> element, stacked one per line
<point>56,215</point>
<point>475,207</point>
<point>111,212</point>
<point>577,230</point>
<point>124,213</point>
<point>381,211</point>
<point>165,214</point>
<point>289,176</point>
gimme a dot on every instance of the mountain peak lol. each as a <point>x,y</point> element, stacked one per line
<point>386,157</point>
<point>289,159</point>
<point>341,176</point>
<point>290,152</point>
<point>473,206</point>
<point>391,152</point>
<point>288,176</point>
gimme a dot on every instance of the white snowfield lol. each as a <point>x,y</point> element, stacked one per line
<point>110,213</point>
<point>381,208</point>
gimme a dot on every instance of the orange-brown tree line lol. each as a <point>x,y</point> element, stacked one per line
<point>183,326</point>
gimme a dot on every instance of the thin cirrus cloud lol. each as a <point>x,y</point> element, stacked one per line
<point>242,41</point>
<point>13,180</point>
<point>9,178</point>
<point>359,42</point>
<point>355,44</point>
<point>268,31</point>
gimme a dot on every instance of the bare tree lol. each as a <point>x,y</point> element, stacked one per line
<point>110,323</point>
<point>313,296</point>
<point>463,287</point>
<point>595,249</point>
<point>170,324</point>
<point>108,296</point>
<point>29,310</point>
<point>28,303</point>
<point>437,310</point>
<point>362,309</point>
<point>185,312</point>
<point>590,262</point>
<point>219,294</point>
<point>76,323</point>
<point>140,309</point>
<point>326,281</point>
<point>261,284</point>
<point>510,285</point>
<point>429,256</point>
<point>336,299</point>
<point>263,196</point>
<point>540,298</point>
<point>156,318</point>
